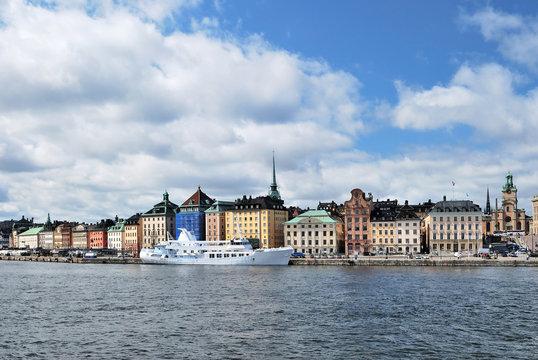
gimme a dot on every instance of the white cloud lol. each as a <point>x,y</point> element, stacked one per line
<point>104,109</point>
<point>483,98</point>
<point>517,35</point>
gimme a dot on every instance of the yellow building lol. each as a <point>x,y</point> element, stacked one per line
<point>261,218</point>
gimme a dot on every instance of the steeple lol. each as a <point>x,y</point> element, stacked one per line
<point>273,192</point>
<point>165,195</point>
<point>509,186</point>
<point>488,206</point>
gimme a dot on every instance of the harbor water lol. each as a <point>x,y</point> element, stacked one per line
<point>103,311</point>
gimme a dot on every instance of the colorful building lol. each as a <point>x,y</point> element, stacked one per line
<point>509,217</point>
<point>116,234</point>
<point>46,236</point>
<point>19,227</point>
<point>357,222</point>
<point>215,220</point>
<point>383,226</point>
<point>315,232</point>
<point>133,235</point>
<point>80,236</point>
<point>191,214</point>
<point>158,221</point>
<point>98,235</point>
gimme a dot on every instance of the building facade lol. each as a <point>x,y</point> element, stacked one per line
<point>19,227</point>
<point>133,235</point>
<point>30,238</point>
<point>315,232</point>
<point>191,214</point>
<point>80,236</point>
<point>455,225</point>
<point>383,226</point>
<point>357,222</point>
<point>98,236</point>
<point>408,226</point>
<point>215,219</point>
<point>508,217</point>
<point>116,234</point>
<point>158,221</point>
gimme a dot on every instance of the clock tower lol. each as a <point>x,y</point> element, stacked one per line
<point>509,205</point>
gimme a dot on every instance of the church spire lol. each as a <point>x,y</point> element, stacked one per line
<point>273,192</point>
<point>488,206</point>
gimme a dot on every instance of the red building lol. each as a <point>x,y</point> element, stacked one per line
<point>97,238</point>
<point>357,222</point>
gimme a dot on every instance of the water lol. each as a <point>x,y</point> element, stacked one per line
<point>209,312</point>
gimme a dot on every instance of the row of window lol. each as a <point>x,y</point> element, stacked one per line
<point>315,226</point>
<point>309,233</point>
<point>455,236</point>
<point>315,242</point>
<point>449,246</point>
<point>462,227</point>
<point>374,240</point>
<point>462,218</point>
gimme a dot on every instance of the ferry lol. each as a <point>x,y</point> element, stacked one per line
<point>188,250</point>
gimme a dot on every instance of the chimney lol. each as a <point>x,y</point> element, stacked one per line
<point>444,197</point>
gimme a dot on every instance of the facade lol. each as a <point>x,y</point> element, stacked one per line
<point>57,237</point>
<point>46,236</point>
<point>19,227</point>
<point>80,236</point>
<point>98,236</point>
<point>455,225</point>
<point>259,219</point>
<point>133,235</point>
<point>535,215</point>
<point>158,221</point>
<point>509,217</point>
<point>116,234</point>
<point>383,226</point>
<point>191,214</point>
<point>315,232</point>
<point>357,222</point>
<point>215,219</point>
<point>30,238</point>
<point>408,226</point>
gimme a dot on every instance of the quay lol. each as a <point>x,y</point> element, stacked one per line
<point>403,261</point>
<point>360,261</point>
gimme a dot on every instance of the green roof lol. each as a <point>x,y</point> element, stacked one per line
<point>320,215</point>
<point>33,231</point>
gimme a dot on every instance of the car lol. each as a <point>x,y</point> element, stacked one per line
<point>311,256</point>
<point>513,254</point>
<point>418,256</point>
<point>426,257</point>
<point>297,255</point>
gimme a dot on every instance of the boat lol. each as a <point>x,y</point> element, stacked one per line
<point>90,255</point>
<point>188,250</point>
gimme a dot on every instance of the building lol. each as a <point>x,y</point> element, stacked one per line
<point>215,219</point>
<point>132,241</point>
<point>30,238</point>
<point>357,222</point>
<point>80,236</point>
<point>158,221</point>
<point>454,225</point>
<point>260,219</point>
<point>191,214</point>
<point>535,215</point>
<point>98,234</point>
<point>62,236</point>
<point>408,227</point>
<point>116,234</point>
<point>509,217</point>
<point>46,236</point>
<point>315,232</point>
<point>383,226</point>
<point>332,208</point>
<point>17,228</point>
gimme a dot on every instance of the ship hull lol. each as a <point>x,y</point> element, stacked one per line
<point>261,257</point>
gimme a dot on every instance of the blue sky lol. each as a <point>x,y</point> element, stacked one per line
<point>112,101</point>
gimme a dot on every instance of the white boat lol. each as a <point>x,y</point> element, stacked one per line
<point>187,250</point>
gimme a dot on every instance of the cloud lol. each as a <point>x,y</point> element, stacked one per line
<point>517,35</point>
<point>482,97</point>
<point>104,108</point>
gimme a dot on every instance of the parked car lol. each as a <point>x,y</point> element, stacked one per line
<point>418,256</point>
<point>297,255</point>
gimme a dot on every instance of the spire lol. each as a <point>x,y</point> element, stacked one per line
<point>165,195</point>
<point>509,185</point>
<point>273,192</point>
<point>488,206</point>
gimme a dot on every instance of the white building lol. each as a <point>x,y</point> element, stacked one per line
<point>454,226</point>
<point>116,235</point>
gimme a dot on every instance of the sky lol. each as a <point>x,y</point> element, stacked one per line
<point>105,104</point>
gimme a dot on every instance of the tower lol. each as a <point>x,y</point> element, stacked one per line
<point>488,206</point>
<point>273,192</point>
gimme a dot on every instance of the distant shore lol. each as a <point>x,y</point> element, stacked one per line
<point>360,261</point>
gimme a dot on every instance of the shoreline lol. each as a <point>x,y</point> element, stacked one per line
<point>361,261</point>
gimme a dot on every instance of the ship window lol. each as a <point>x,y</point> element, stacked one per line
<point>234,255</point>
<point>241,254</point>
<point>219,255</point>
<point>226,255</point>
<point>211,256</point>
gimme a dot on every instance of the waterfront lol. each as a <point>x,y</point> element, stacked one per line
<point>145,311</point>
